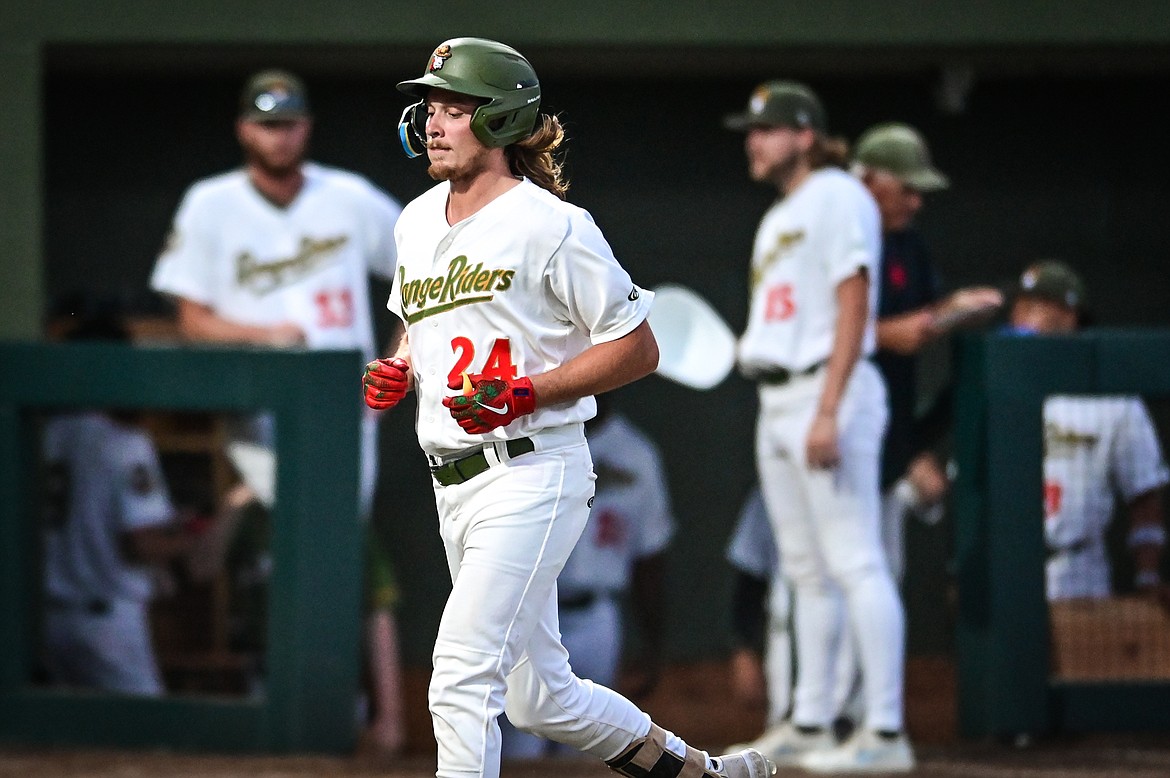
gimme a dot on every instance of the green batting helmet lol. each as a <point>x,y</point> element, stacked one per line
<point>486,69</point>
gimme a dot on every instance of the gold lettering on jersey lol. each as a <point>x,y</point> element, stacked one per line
<point>1063,442</point>
<point>785,242</point>
<point>464,284</point>
<point>264,277</point>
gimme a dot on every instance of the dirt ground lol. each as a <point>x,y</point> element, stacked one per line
<point>692,703</point>
<point>1081,760</point>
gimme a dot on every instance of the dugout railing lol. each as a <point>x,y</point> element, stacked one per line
<point>314,606</point>
<point>1003,639</point>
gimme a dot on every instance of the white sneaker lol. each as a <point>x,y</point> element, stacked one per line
<point>785,745</point>
<point>747,763</point>
<point>864,752</point>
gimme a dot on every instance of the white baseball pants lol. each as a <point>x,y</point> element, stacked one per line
<point>827,530</point>
<point>507,534</point>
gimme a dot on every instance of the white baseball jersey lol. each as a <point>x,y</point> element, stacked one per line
<point>255,263</point>
<point>631,516</point>
<point>104,479</point>
<point>488,299</point>
<point>1096,448</point>
<point>806,244</point>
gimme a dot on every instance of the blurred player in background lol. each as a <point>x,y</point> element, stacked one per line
<point>1096,448</point>
<point>108,520</point>
<point>894,163</point>
<point>811,326</point>
<point>761,658</point>
<point>279,253</point>
<point>517,313</point>
<point>620,554</point>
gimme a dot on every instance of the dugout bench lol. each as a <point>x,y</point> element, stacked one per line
<point>314,607</point>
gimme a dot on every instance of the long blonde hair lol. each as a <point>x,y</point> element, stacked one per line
<point>828,151</point>
<point>534,157</point>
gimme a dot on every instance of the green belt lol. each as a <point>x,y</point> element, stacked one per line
<point>459,470</point>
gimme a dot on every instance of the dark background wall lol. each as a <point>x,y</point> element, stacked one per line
<point>1043,164</point>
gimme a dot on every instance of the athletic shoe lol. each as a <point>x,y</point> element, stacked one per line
<point>748,763</point>
<point>785,745</point>
<point>865,752</point>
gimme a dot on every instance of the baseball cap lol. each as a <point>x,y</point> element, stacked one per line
<point>1053,280</point>
<point>780,104</point>
<point>900,149</point>
<point>273,94</point>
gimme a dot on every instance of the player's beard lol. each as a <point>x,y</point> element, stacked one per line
<point>460,170</point>
<point>780,171</point>
<point>275,166</point>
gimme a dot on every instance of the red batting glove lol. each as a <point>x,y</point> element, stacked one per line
<point>385,382</point>
<point>490,403</point>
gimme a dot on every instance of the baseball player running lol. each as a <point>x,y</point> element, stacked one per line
<point>1095,447</point>
<point>516,313</point>
<point>822,416</point>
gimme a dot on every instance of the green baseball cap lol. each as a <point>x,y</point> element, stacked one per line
<point>272,95</point>
<point>780,104</point>
<point>1055,281</point>
<point>901,150</point>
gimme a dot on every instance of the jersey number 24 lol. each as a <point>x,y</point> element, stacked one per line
<point>497,365</point>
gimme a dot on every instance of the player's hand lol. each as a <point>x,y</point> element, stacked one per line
<point>969,306</point>
<point>385,382</point>
<point>285,335</point>
<point>487,403</point>
<point>821,445</point>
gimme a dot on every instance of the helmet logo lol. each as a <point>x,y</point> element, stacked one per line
<point>441,55</point>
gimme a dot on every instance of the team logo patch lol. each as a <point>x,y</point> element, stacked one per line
<point>439,58</point>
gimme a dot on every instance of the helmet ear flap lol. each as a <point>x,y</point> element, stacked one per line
<point>412,130</point>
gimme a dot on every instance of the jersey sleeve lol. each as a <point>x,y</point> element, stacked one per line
<point>141,489</point>
<point>186,263</point>
<point>381,249</point>
<point>1138,464</point>
<point>851,220</point>
<point>593,291</point>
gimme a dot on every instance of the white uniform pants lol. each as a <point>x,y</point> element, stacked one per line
<point>507,534</point>
<point>593,637</point>
<point>827,531</point>
<point>109,650</point>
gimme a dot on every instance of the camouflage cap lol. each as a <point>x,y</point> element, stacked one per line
<point>900,150</point>
<point>1055,281</point>
<point>272,95</point>
<point>780,104</point>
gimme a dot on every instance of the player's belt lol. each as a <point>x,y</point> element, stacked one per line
<point>781,375</point>
<point>459,470</point>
